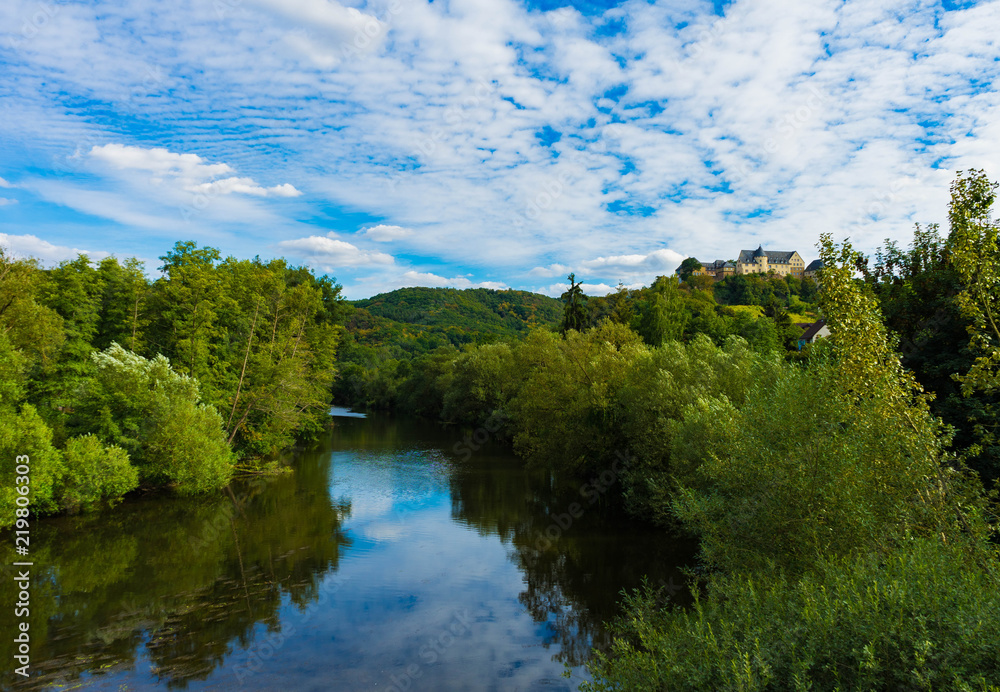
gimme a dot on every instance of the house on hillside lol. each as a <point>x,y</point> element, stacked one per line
<point>761,261</point>
<point>813,268</point>
<point>718,270</point>
<point>814,331</point>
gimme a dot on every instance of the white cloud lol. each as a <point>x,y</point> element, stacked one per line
<point>4,201</point>
<point>325,31</point>
<point>662,261</point>
<point>414,278</point>
<point>33,246</point>
<point>384,234</point>
<point>247,186</point>
<point>159,161</point>
<point>4,183</point>
<point>187,170</point>
<point>330,254</point>
<point>549,271</point>
<point>602,289</point>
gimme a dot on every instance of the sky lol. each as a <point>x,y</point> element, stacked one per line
<point>487,143</point>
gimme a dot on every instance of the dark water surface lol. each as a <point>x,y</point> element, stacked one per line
<point>386,561</point>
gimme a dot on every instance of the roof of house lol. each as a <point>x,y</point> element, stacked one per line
<point>814,265</point>
<point>777,256</point>
<point>813,330</point>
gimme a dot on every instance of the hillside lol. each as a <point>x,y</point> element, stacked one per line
<point>420,319</point>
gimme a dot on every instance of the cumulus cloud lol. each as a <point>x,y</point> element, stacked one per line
<point>600,289</point>
<point>247,186</point>
<point>188,170</point>
<point>662,261</point>
<point>550,271</point>
<point>384,234</point>
<point>330,254</point>
<point>32,246</point>
<point>325,31</point>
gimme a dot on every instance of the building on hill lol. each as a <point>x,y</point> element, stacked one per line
<point>814,331</point>
<point>813,268</point>
<point>761,261</point>
<point>718,270</point>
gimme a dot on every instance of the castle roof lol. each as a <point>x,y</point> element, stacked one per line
<point>777,256</point>
<point>815,265</point>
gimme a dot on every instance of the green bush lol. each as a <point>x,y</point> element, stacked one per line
<point>799,463</point>
<point>93,472</point>
<point>925,618</point>
<point>26,434</point>
<point>154,414</point>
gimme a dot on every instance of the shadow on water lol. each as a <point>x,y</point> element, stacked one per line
<point>173,581</point>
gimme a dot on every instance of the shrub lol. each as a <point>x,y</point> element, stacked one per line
<point>926,618</point>
<point>152,412</point>
<point>26,434</point>
<point>93,472</point>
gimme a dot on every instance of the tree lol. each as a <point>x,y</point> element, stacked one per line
<point>663,316</point>
<point>155,414</point>
<point>688,267</point>
<point>976,256</point>
<point>575,311</point>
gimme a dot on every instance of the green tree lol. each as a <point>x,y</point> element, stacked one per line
<point>575,311</point>
<point>124,310</point>
<point>688,267</point>
<point>94,473</point>
<point>155,414</point>
<point>976,256</point>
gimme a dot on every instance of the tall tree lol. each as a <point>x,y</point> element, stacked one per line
<point>575,311</point>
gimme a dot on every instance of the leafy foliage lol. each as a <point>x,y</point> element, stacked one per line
<point>222,354</point>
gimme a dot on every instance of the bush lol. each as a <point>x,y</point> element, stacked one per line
<point>26,434</point>
<point>93,472</point>
<point>926,618</point>
<point>153,413</point>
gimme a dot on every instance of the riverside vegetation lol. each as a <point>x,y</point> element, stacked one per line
<point>847,541</point>
<point>110,382</point>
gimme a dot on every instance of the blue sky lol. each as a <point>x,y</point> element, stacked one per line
<point>486,142</point>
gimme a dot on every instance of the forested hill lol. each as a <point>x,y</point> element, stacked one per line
<point>420,319</point>
<point>478,309</point>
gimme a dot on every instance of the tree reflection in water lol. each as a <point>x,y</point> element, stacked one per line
<point>189,578</point>
<point>185,587</point>
<point>574,575</point>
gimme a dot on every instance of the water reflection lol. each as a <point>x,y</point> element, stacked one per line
<point>384,562</point>
<point>180,580</point>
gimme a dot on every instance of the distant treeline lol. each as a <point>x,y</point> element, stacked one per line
<point>110,381</point>
<point>395,342</point>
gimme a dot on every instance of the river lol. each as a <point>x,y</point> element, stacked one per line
<point>389,559</point>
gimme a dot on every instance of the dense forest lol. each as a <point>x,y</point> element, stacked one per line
<point>111,382</point>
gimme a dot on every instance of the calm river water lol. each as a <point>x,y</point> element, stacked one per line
<point>386,561</point>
